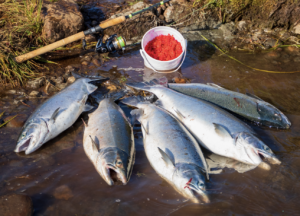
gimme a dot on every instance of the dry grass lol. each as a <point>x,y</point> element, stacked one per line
<point>20,28</point>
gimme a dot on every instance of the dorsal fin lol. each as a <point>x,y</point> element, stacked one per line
<point>222,131</point>
<point>166,158</point>
<point>214,85</point>
<point>253,96</point>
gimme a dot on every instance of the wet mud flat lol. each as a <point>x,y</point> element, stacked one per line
<point>61,180</point>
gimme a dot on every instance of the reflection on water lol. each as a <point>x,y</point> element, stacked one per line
<point>62,181</point>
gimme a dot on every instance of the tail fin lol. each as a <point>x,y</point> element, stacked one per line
<point>162,82</point>
<point>98,96</point>
<point>94,79</point>
<point>133,101</point>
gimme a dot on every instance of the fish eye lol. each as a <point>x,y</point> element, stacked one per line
<point>266,148</point>
<point>201,185</point>
<point>23,134</point>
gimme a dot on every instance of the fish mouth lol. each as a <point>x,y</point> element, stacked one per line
<point>113,175</point>
<point>199,194</point>
<point>23,145</point>
<point>269,157</point>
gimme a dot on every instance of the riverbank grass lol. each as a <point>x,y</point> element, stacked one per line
<point>20,28</point>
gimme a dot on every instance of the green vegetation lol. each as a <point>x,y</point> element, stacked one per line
<point>20,27</point>
<point>1,114</point>
<point>133,2</point>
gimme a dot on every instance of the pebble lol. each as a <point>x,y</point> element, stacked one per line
<point>96,62</point>
<point>179,80</point>
<point>36,83</point>
<point>57,80</point>
<point>34,94</point>
<point>84,63</point>
<point>16,205</point>
<point>61,86</point>
<point>273,54</point>
<point>292,49</point>
<point>69,69</point>
<point>63,192</point>
<point>87,58</point>
<point>71,79</point>
<point>18,121</point>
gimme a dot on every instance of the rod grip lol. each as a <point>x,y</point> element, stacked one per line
<point>112,22</point>
<point>49,47</point>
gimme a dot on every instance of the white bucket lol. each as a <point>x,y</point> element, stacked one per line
<point>157,65</point>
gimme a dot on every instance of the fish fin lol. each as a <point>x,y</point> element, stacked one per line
<point>55,114</point>
<point>222,131</point>
<point>133,101</point>
<point>136,114</point>
<point>253,96</point>
<point>90,87</point>
<point>95,146</point>
<point>180,115</point>
<point>158,103</point>
<point>85,125</point>
<point>147,85</point>
<point>166,158</point>
<point>87,108</point>
<point>214,85</point>
<point>78,76</point>
<point>146,129</point>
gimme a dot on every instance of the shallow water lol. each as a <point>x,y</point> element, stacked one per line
<point>62,161</point>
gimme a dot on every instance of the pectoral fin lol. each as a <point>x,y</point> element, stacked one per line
<point>222,131</point>
<point>146,129</point>
<point>55,114</point>
<point>95,146</point>
<point>166,158</point>
<point>87,108</point>
<point>214,85</point>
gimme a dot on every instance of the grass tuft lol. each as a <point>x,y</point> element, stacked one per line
<point>20,28</point>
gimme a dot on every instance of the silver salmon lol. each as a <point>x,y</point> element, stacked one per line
<point>247,105</point>
<point>171,150</point>
<point>109,143</point>
<point>56,115</point>
<point>214,128</point>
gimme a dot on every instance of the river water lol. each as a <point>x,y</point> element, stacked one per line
<point>62,181</point>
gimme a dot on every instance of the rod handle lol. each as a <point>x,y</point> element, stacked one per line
<point>112,22</point>
<point>49,47</point>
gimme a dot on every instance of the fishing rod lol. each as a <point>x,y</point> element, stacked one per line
<point>114,43</point>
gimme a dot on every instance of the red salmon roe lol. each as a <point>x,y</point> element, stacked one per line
<point>164,48</point>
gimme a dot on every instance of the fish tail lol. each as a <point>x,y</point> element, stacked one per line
<point>162,82</point>
<point>114,96</point>
<point>133,101</point>
<point>91,77</point>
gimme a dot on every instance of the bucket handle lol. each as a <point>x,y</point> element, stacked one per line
<point>182,60</point>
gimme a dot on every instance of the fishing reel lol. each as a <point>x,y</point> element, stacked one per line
<point>111,44</point>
